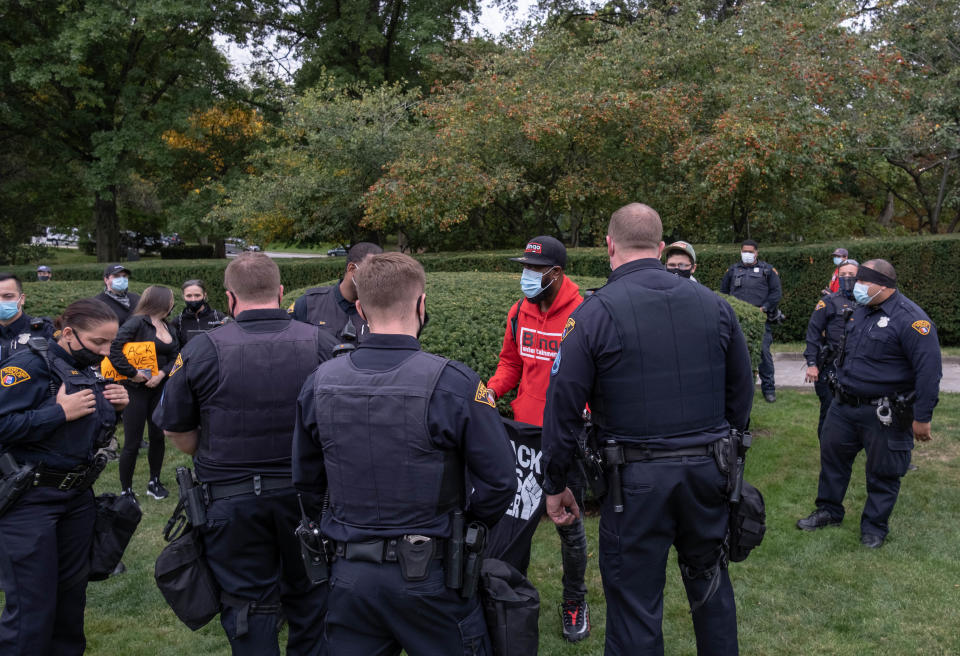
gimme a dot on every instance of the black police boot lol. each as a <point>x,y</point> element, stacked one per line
<point>819,518</point>
<point>770,397</point>
<point>871,540</point>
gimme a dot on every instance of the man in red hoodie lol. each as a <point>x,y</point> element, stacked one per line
<point>535,324</point>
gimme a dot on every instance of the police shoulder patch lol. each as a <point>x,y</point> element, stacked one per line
<point>290,309</point>
<point>567,329</point>
<point>922,326</point>
<point>820,306</point>
<point>177,364</point>
<point>481,395</point>
<point>10,376</point>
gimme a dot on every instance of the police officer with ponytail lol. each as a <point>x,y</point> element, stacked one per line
<point>55,415</point>
<point>240,384</point>
<point>389,432</point>
<point>664,366</point>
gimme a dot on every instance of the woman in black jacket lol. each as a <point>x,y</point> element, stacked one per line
<point>197,317</point>
<point>146,324</point>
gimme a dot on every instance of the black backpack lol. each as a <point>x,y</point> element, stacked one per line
<point>117,519</point>
<point>511,607</point>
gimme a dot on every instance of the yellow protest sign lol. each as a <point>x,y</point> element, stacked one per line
<point>140,355</point>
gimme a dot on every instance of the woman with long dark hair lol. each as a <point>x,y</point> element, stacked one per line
<point>146,324</point>
<point>55,414</point>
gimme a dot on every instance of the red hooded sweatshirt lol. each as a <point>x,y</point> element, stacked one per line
<point>528,358</point>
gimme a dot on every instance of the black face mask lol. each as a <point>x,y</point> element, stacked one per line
<point>194,306</point>
<point>683,273</point>
<point>846,286</point>
<point>84,356</point>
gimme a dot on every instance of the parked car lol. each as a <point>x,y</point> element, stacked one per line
<point>173,239</point>
<point>61,237</point>
<point>339,251</point>
<point>234,245</point>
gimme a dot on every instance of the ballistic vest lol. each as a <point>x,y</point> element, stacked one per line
<point>670,378</point>
<point>751,284</point>
<point>323,309</point>
<point>835,325</point>
<point>383,471</point>
<point>29,327</point>
<point>75,442</point>
<point>249,418</point>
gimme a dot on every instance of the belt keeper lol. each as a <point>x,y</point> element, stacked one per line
<point>256,484</point>
<point>391,550</point>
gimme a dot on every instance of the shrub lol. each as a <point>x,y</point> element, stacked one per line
<point>49,299</point>
<point>187,252</point>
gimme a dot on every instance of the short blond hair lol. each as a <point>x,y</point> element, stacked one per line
<point>389,284</point>
<point>636,227</point>
<point>253,278</point>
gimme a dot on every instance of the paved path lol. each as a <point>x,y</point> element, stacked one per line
<point>790,367</point>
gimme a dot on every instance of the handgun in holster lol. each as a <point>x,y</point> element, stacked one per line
<point>313,547</point>
<point>474,541</point>
<point>590,461</point>
<point>740,441</point>
<point>192,497</point>
<point>14,480</point>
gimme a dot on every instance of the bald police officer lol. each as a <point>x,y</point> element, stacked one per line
<point>332,308</point>
<point>388,431</point>
<point>889,382</point>
<point>240,383</point>
<point>664,366</point>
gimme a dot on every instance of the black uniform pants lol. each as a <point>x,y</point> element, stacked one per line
<point>255,557</point>
<point>825,394</point>
<point>374,612</point>
<point>45,543</point>
<point>139,413</point>
<point>846,431</point>
<point>765,369</point>
<point>680,502</point>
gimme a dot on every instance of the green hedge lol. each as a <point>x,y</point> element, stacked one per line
<point>468,315</point>
<point>49,299</point>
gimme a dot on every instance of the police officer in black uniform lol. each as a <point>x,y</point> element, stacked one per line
<point>757,283</point>
<point>332,308</point>
<point>889,381</point>
<point>16,328</point>
<point>824,335</point>
<point>55,414</point>
<point>664,366</point>
<point>240,384</point>
<point>197,316</point>
<point>116,281</point>
<point>388,432</point>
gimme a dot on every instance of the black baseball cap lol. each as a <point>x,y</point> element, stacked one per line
<point>543,251</point>
<point>43,267</point>
<point>114,269</point>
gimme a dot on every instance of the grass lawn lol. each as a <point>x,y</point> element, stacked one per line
<point>798,593</point>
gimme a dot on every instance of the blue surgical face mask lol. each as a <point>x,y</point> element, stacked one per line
<point>861,294</point>
<point>837,261</point>
<point>748,258</point>
<point>119,284</point>
<point>9,309</point>
<point>531,282</point>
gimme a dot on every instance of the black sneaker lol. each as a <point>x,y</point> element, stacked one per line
<point>575,620</point>
<point>128,492</point>
<point>819,518</point>
<point>156,490</point>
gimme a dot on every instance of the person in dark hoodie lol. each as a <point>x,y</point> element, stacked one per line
<point>197,317</point>
<point>146,324</point>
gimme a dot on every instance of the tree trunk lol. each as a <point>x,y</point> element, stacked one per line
<point>219,248</point>
<point>108,225</point>
<point>935,217</point>
<point>886,216</point>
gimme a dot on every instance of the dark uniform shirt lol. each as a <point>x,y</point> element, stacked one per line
<point>593,348</point>
<point>326,307</point>
<point>891,348</point>
<point>31,420</point>
<point>196,376</point>
<point>759,284</point>
<point>456,419</point>
<point>14,336</point>
<point>825,329</point>
<point>188,324</point>
<point>122,311</point>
